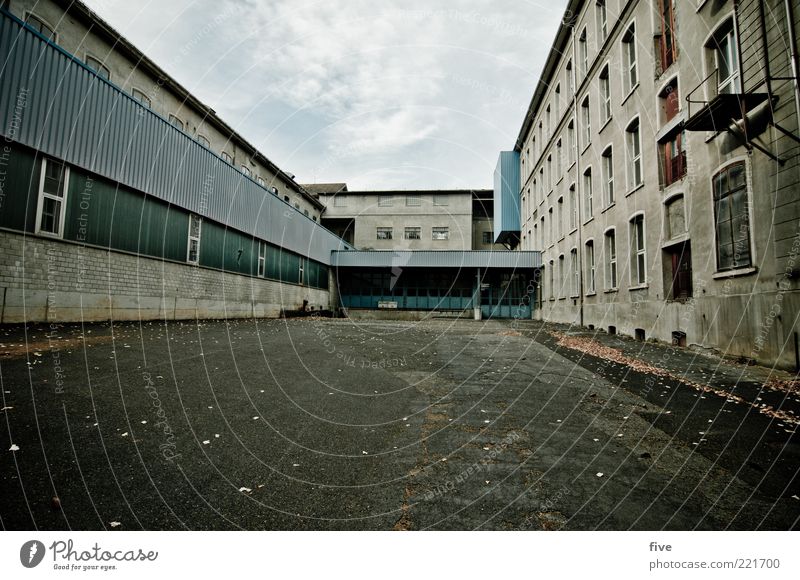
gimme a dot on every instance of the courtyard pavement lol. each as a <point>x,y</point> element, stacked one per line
<point>310,424</point>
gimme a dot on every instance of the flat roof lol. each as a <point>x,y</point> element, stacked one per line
<point>435,259</point>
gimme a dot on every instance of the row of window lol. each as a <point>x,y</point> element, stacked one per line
<point>410,200</point>
<point>415,233</point>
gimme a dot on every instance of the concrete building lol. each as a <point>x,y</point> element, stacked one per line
<point>659,173</point>
<point>124,197</point>
<point>408,219</point>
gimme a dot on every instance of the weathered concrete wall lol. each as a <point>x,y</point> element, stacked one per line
<point>391,314</point>
<point>45,280</point>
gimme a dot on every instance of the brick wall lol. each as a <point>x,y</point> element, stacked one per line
<point>55,281</point>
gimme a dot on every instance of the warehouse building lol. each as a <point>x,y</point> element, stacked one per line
<point>658,173</point>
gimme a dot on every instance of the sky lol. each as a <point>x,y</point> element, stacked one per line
<point>385,94</point>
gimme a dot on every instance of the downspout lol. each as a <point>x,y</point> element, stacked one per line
<point>578,181</point>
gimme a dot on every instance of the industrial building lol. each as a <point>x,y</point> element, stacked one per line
<point>658,173</point>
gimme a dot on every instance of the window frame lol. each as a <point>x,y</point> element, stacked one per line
<point>611,259</point>
<point>638,255</point>
<point>441,230</point>
<point>387,231</point>
<point>747,189</point>
<point>607,175</point>
<point>633,161</point>
<point>409,229</point>
<point>100,70</point>
<point>53,37</point>
<point>589,251</point>
<point>588,194</point>
<point>262,258</point>
<point>191,238</point>
<point>142,98</point>
<point>630,59</point>
<point>61,200</point>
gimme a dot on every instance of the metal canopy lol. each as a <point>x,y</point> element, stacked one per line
<point>722,110</point>
<point>434,259</point>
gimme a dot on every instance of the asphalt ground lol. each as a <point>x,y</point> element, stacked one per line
<point>320,424</point>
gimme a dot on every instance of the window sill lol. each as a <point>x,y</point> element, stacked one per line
<point>608,207</point>
<point>630,93</point>
<point>562,297</point>
<point>611,291</point>
<point>605,124</point>
<point>675,241</point>
<point>590,220</point>
<point>591,294</point>
<point>573,230</point>
<point>586,147</point>
<point>635,189</point>
<point>639,287</point>
<point>575,297</point>
<point>561,239</point>
<point>734,273</point>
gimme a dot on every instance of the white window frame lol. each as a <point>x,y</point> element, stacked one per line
<point>591,267</point>
<point>586,121</point>
<point>41,21</point>
<point>260,181</point>
<point>602,20</point>
<point>576,273</point>
<point>638,270</point>
<point>226,157</point>
<point>101,69</point>
<point>246,171</point>
<point>605,95</point>
<point>630,59</point>
<point>301,271</point>
<point>583,51</point>
<point>191,238</point>
<point>634,159</point>
<point>560,218</point>
<point>412,229</point>
<point>262,258</point>
<point>172,118</point>
<point>573,207</point>
<point>62,210</point>
<point>387,231</point>
<point>204,141</point>
<point>611,259</point>
<point>608,176</point>
<point>732,83</point>
<point>588,194</point>
<point>443,231</point>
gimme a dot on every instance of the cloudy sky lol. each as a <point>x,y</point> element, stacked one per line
<point>379,94</point>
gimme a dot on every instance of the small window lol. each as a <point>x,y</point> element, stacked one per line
<point>413,233</point>
<point>608,176</point>
<point>203,140</point>
<point>440,233</point>
<point>588,195</point>
<point>573,208</point>
<point>591,276</point>
<point>297,206</point>
<point>634,148</point>
<point>611,259</point>
<point>286,199</point>
<point>52,198</point>
<point>193,249</point>
<point>305,213</point>
<point>571,143</point>
<point>559,160</point>
<point>261,182</point>
<point>301,271</point>
<point>605,96</point>
<point>41,27</point>
<point>630,70</point>
<point>98,67</point>
<point>141,97</point>
<point>583,52</point>
<point>638,255</point>
<point>669,49</point>
<point>487,237</point>
<point>226,157</point>
<point>383,234</point>
<point>602,20</point>
<point>570,80</point>
<point>339,200</point>
<point>562,276</point>
<point>385,201</point>
<point>177,123</point>
<point>576,273</point>
<point>439,199</point>
<point>587,123</point>
<point>675,217</point>
<point>413,200</point>
<point>560,218</point>
<point>262,258</point>
<point>731,217</point>
<point>246,171</point>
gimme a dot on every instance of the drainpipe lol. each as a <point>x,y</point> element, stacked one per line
<point>476,296</point>
<point>578,180</point>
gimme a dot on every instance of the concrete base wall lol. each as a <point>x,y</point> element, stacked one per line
<point>44,280</point>
<point>412,315</point>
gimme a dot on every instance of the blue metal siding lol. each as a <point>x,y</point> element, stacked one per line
<point>436,259</point>
<point>506,196</point>
<point>72,114</point>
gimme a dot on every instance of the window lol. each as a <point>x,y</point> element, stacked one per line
<point>638,258</point>
<point>286,198</point>
<point>246,171</point>
<point>602,20</point>
<point>297,206</point>
<point>52,198</point>
<point>571,144</point>
<point>41,27</point>
<point>441,233</point>
<point>98,67</point>
<point>670,102</point>
<point>225,156</point>
<point>413,200</point>
<point>559,160</point>
<point>587,123</point>
<point>560,218</point>
<point>634,148</point>
<point>557,102</point>
<point>340,200</point>
<point>588,195</point>
<point>570,80</point>
<point>441,200</point>
<point>203,140</point>
<point>385,201</point>
<point>562,276</point>
<point>675,217</point>
<point>551,281</point>
<point>177,123</point>
<point>673,160</point>
<point>413,233</point>
<point>630,70</point>
<point>727,60</point>
<point>608,176</point>
<point>551,229</point>
<point>548,120</point>
<point>487,237</point>
<point>731,217</point>
<point>576,273</point>
<point>679,265</point>
<point>605,96</point>
<point>667,41</point>
<point>141,97</point>
<point>301,271</point>
<point>583,54</point>
<point>262,258</point>
<point>550,173</point>
<point>573,208</point>
<point>305,213</point>
<point>384,234</point>
<point>193,248</point>
<point>591,284</point>
<point>611,259</point>
<point>261,182</point>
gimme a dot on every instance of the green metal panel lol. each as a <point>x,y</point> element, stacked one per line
<point>273,267</point>
<point>227,249</point>
<point>290,267</point>
<point>19,182</point>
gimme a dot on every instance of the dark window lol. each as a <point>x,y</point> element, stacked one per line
<point>673,159</point>
<point>732,218</point>
<point>680,267</point>
<point>487,237</point>
<point>41,27</point>
<point>669,51</point>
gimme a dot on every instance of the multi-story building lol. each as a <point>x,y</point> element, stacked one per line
<point>408,219</point>
<point>660,174</point>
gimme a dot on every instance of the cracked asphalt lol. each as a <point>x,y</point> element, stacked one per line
<point>320,424</point>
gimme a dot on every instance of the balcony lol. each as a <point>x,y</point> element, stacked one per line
<point>726,104</point>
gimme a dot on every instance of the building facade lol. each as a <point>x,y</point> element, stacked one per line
<point>660,174</point>
<point>123,197</point>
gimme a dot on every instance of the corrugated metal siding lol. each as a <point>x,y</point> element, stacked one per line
<point>436,259</point>
<point>72,114</point>
<point>506,195</point>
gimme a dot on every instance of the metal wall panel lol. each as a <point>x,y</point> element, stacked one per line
<point>72,114</point>
<point>506,196</point>
<point>436,259</point>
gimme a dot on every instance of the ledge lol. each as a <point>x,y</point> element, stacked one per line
<point>639,287</point>
<point>635,189</point>
<point>630,93</point>
<point>734,273</point>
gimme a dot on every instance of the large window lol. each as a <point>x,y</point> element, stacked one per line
<point>634,147</point>
<point>588,195</point>
<point>385,201</point>
<point>605,96</point>
<point>262,258</point>
<point>193,247</point>
<point>383,233</point>
<point>560,218</point>
<point>727,60</point>
<point>551,281</point>
<point>98,67</point>
<point>440,233</point>
<point>142,98</point>
<point>583,53</point>
<point>611,259</point>
<point>591,283</point>
<point>562,276</point>
<point>667,44</point>
<point>570,80</point>
<point>178,124</point>
<point>571,144</point>
<point>586,119</point>
<point>675,214</point>
<point>41,27</point>
<point>731,217</point>
<point>413,200</point>
<point>413,233</point>
<point>559,160</point>
<point>673,159</point>
<point>576,273</point>
<point>52,198</point>
<point>573,208</point>
<point>638,253</point>
<point>602,20</point>
<point>630,70</point>
<point>608,176</point>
